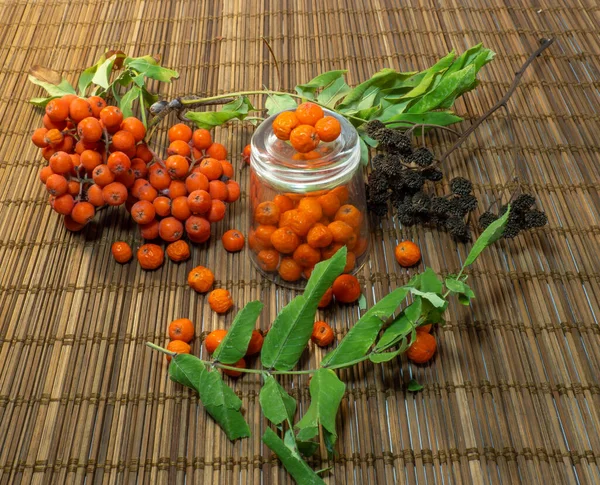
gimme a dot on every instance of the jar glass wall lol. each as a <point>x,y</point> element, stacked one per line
<point>305,206</point>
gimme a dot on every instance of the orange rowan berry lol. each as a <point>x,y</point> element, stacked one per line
<point>118,162</point>
<point>304,138</point>
<point>328,128</point>
<point>311,207</point>
<point>45,172</point>
<point>137,185</point>
<point>319,236</point>
<point>121,251</point>
<point>201,279</point>
<point>147,192</point>
<point>111,117</point>
<point>341,193</point>
<point>140,170</point>
<point>309,113</point>
<point>38,137</point>
<point>178,251</point>
<point>162,206</point>
<point>63,204</point>
<point>350,215</point>
<point>289,270</point>
<point>329,203</point>
<point>97,104</point>
<point>240,364</point>
<point>217,151</point>
<point>266,213</point>
<point>79,109</point>
<point>422,349</point>
<point>114,193</point>
<point>407,254</point>
<point>177,166</point>
<point>283,202</point>
<point>158,177</point>
<point>211,168</point>
<point>180,208</point>
<point>57,109</point>
<point>326,298</point>
<point>220,300</point>
<point>262,236</point>
<point>181,329</point>
<point>306,256</point>
<point>233,191</point>
<point>90,160</point>
<point>255,344</point>
<point>56,185</point>
<point>73,187</point>
<point>150,230</point>
<point>135,127</point>
<point>284,123</point>
<point>196,181</point>
<point>180,132</point>
<point>66,145</point>
<point>329,251</point>
<point>285,240</point>
<point>199,202</point>
<point>346,288</point>
<point>201,139</point>
<point>176,189</point>
<point>61,162</point>
<point>49,124</point>
<point>218,190</point>
<point>142,151</point>
<point>198,229</point>
<point>170,229</point>
<point>179,147</point>
<point>71,225</point>
<point>102,175</point>
<point>150,256</point>
<point>227,168</point>
<point>177,346</point>
<point>89,130</point>
<point>122,141</point>
<point>268,259</point>
<point>298,221</point>
<point>322,334</point>
<point>246,152</point>
<point>350,262</point>
<point>340,231</point>
<point>217,211</point>
<point>95,195</point>
<point>143,212</point>
<point>83,212</point>
<point>54,137</point>
<point>233,240</point>
<point>214,339</point>
<point>48,152</point>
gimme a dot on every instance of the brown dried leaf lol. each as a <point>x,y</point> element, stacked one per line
<point>120,57</point>
<point>45,74</point>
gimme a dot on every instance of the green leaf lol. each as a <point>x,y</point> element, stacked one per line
<point>42,102</point>
<point>54,90</point>
<point>364,152</point>
<point>293,326</point>
<point>379,79</point>
<point>401,327</point>
<point>436,300</point>
<point>235,344</point>
<point>85,79</point>
<point>439,118</point>
<point>149,98</point>
<point>430,282</point>
<point>126,102</point>
<point>276,103</point>
<point>238,109</point>
<point>362,302</point>
<point>307,448</point>
<point>322,80</point>
<point>361,336</point>
<point>101,76</point>
<point>464,300</point>
<point>414,386</point>
<point>326,392</point>
<point>333,93</point>
<point>149,67</point>
<point>223,405</point>
<point>378,358</point>
<point>291,460</point>
<point>493,232</point>
<point>187,370</point>
<point>277,405</point>
<point>459,287</point>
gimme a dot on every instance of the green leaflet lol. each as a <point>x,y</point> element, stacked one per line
<point>217,397</point>
<point>364,151</point>
<point>334,92</point>
<point>126,102</point>
<point>102,74</point>
<point>414,386</point>
<point>436,300</point>
<point>276,103</point>
<point>387,356</point>
<point>54,90</point>
<point>234,345</point>
<point>321,81</point>
<point>427,281</point>
<point>150,68</point>
<point>427,79</point>
<point>238,108</point>
<point>493,232</point>
<point>401,327</point>
<point>326,392</point>
<point>292,328</point>
<point>379,79</point>
<point>362,335</point>
<point>460,289</point>
<point>440,118</point>
<point>276,404</point>
<point>290,457</point>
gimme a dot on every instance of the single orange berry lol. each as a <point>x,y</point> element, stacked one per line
<point>350,215</point>
<point>284,203</point>
<point>289,270</point>
<point>256,343</point>
<point>326,298</point>
<point>329,203</point>
<point>220,300</point>
<point>211,168</point>
<point>285,240</point>
<point>311,207</point>
<point>196,181</point>
<point>114,193</point>
<point>268,259</point>
<point>304,138</point>
<point>121,251</point>
<point>217,211</point>
<point>56,185</point>
<point>346,288</point>
<point>111,117</point>
<point>97,104</point>
<point>309,113</point>
<point>181,329</point>
<point>135,127</point>
<point>83,212</point>
<point>407,254</point>
<point>143,212</point>
<point>218,190</point>
<point>123,141</point>
<point>180,132</point>
<point>319,236</point>
<point>266,213</point>
<point>178,251</point>
<point>170,229</point>
<point>38,137</point>
<point>201,139</point>
<point>233,240</point>
<point>233,191</point>
<point>79,109</point>
<point>425,328</point>
<point>246,152</point>
<point>214,339</point>
<point>149,231</point>
<point>240,364</point>
<point>179,347</point>
<point>150,256</point>
<point>322,334</point>
<point>340,231</point>
<point>201,279</point>
<point>53,137</point>
<point>227,168</point>
<point>306,256</point>
<point>63,204</point>
<point>422,349</point>
<point>57,109</point>
<point>89,130</point>
<point>284,123</point>
<point>71,225</point>
<point>177,166</point>
<point>198,229</point>
<point>328,128</point>
<point>217,151</point>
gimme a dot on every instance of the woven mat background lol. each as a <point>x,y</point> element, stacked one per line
<point>513,394</point>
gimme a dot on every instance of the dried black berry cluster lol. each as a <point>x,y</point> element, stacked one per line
<point>399,174</point>
<point>521,218</point>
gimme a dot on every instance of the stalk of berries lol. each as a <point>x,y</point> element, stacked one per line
<point>399,174</point>
<point>97,159</point>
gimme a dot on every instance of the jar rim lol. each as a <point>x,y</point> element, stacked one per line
<point>276,162</point>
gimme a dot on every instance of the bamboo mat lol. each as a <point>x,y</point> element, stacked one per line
<point>513,394</point>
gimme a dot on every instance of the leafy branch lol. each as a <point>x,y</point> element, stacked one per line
<point>378,336</point>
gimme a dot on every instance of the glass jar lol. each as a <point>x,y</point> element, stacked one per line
<point>304,207</point>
